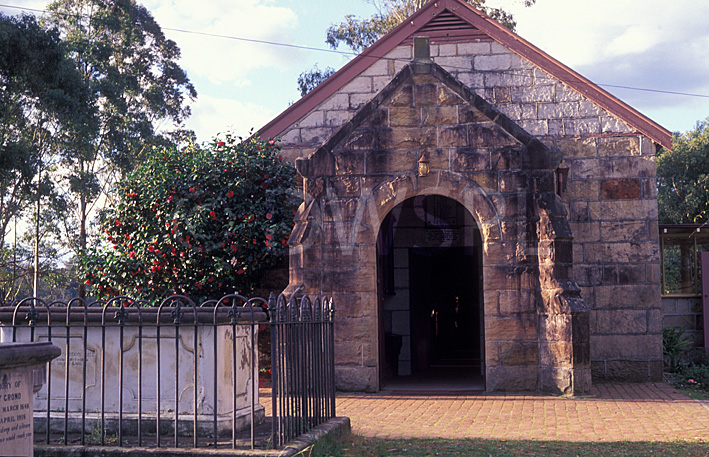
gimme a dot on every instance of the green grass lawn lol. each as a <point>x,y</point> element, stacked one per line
<point>357,446</point>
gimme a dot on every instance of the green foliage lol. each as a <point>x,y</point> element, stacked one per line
<point>674,345</point>
<point>683,178</point>
<point>694,377</point>
<point>308,80</point>
<point>42,100</point>
<point>200,222</point>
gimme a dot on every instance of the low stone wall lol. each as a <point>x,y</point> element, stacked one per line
<point>684,312</point>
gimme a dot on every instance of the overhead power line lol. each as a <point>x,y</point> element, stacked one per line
<point>352,54</point>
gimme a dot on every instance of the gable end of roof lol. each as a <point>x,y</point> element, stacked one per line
<point>455,21</point>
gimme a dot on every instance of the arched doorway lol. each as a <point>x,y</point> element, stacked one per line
<point>430,297</point>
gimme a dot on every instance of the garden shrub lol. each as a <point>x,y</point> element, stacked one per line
<point>198,221</point>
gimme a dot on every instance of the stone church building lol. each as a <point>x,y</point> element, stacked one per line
<point>476,208</point>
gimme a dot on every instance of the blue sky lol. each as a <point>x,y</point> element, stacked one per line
<point>242,85</point>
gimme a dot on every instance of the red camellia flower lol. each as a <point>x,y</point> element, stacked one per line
<point>269,236</point>
<point>88,282</point>
<point>220,143</point>
<point>118,223</point>
<point>169,198</point>
<point>213,215</point>
<point>191,189</point>
<point>240,271</point>
<point>269,216</point>
<point>230,194</point>
<point>131,254</point>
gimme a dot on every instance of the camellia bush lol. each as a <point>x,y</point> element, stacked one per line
<point>202,222</point>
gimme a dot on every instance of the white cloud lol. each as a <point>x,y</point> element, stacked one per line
<point>222,60</point>
<point>213,115</point>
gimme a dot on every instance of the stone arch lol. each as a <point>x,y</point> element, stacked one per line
<point>385,196</point>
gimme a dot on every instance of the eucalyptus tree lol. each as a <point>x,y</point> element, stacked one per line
<point>43,103</point>
<point>137,89</point>
<point>683,178</point>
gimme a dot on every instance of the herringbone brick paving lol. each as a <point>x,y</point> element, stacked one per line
<point>614,412</point>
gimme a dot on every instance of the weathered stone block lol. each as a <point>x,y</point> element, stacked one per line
<point>556,353</point>
<point>620,189</point>
<point>532,94</point>
<point>348,352</point>
<point>473,48</point>
<point>578,148</point>
<point>346,186</point>
<point>440,115</point>
<point>335,118</point>
<point>621,252</point>
<point>355,329</point>
<point>485,135</point>
<point>588,275</point>
<point>492,62</point>
<point>627,371</point>
<point>360,84</point>
<point>628,321</point>
<point>515,329</point>
<point>625,231</point>
<point>517,301</point>
<point>362,280</point>
<point>512,354</point>
<point>407,137</point>
<point>512,181</point>
<point>469,115</point>
<point>404,96</point>
<point>347,304</point>
<point>619,146</point>
<point>558,110</point>
<point>455,136</point>
<point>447,97</point>
<point>623,210</point>
<point>624,274</point>
<point>425,94</point>
<point>404,117</point>
<point>349,163</point>
<point>649,188</point>
<point>627,347</point>
<point>586,126</point>
<point>512,379</point>
<point>472,160</point>
<point>355,379</point>
<point>628,296</point>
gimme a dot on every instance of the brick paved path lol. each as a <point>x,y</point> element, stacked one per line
<point>631,412</point>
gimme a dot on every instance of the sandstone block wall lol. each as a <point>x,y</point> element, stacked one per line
<point>610,200</point>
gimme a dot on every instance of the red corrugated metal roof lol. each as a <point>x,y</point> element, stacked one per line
<point>455,21</point>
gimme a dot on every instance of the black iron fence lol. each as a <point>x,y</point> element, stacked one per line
<point>178,374</point>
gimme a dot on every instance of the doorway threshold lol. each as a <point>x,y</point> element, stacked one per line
<point>439,383</point>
